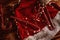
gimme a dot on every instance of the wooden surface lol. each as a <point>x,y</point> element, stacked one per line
<point>57,2</point>
<point>57,37</point>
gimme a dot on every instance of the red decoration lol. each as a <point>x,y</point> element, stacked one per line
<point>31,18</point>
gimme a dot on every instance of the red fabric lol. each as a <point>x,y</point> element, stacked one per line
<point>52,11</point>
<point>25,10</point>
<point>0,8</point>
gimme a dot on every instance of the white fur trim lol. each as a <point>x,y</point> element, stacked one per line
<point>30,38</point>
<point>46,34</point>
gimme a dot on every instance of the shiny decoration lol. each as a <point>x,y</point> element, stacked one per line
<point>32,17</point>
